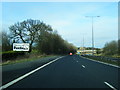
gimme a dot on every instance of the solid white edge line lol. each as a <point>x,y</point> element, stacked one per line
<point>102,62</point>
<point>83,66</point>
<point>110,85</point>
<point>27,74</point>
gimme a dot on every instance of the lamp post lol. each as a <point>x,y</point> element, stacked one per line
<point>92,32</point>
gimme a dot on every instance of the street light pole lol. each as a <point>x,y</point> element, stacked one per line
<point>83,44</point>
<point>92,38</point>
<point>92,33</point>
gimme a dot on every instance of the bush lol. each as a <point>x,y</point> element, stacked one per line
<point>111,48</point>
<point>11,55</point>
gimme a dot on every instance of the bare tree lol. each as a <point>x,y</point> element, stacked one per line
<point>28,31</point>
<point>6,46</point>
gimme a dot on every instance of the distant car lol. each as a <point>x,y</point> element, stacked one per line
<point>70,53</point>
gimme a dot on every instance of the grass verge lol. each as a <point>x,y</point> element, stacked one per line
<point>19,60</point>
<point>117,63</point>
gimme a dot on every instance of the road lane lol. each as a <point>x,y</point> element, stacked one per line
<point>105,72</point>
<point>65,73</point>
<point>13,71</point>
<point>27,74</point>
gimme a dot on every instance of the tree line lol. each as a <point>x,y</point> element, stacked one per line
<point>39,35</point>
<point>112,48</point>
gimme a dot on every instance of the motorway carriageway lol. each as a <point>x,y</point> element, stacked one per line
<point>65,72</point>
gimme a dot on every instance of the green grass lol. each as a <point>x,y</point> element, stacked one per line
<point>8,51</point>
<point>113,56</point>
<point>33,57</point>
<point>106,61</point>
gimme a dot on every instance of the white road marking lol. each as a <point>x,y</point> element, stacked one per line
<point>83,66</point>
<point>110,86</point>
<point>73,58</point>
<point>27,74</point>
<point>101,62</point>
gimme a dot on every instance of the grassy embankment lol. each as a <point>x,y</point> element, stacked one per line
<point>105,60</point>
<point>34,55</point>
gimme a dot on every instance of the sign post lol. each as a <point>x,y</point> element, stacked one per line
<point>21,46</point>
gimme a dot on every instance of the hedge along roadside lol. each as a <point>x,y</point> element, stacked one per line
<point>11,55</point>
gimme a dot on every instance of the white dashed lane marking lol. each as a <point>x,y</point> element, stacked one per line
<point>83,66</point>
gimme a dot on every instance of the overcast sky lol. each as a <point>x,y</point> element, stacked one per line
<point>68,18</point>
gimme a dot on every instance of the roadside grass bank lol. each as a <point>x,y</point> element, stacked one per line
<point>113,62</point>
<point>29,57</point>
<point>109,56</point>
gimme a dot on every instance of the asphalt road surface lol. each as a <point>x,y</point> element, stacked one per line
<point>68,72</point>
